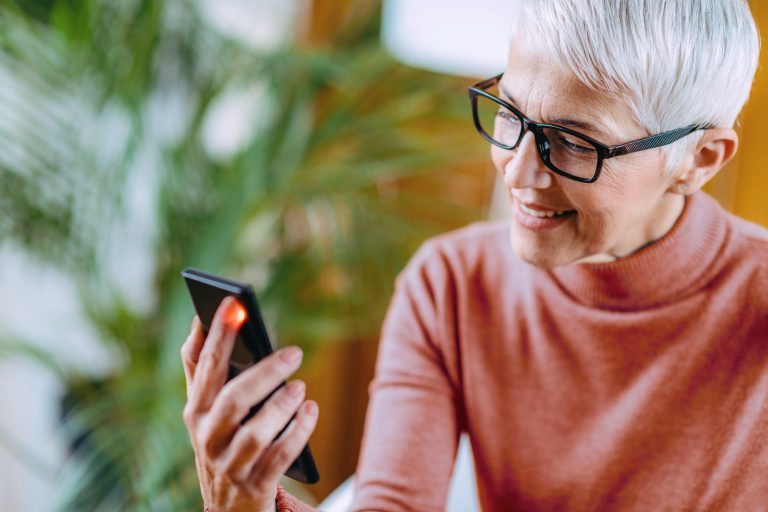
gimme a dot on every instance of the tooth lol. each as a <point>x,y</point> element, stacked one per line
<point>540,214</point>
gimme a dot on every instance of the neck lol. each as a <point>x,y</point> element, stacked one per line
<point>655,273</point>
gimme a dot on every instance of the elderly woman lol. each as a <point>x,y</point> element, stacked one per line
<point>604,349</point>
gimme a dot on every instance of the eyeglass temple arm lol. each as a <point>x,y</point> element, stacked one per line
<point>654,141</point>
<point>485,84</point>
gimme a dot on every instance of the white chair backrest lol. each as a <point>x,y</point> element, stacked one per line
<point>462,495</point>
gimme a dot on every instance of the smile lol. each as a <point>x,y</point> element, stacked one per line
<point>543,214</point>
<point>535,219</point>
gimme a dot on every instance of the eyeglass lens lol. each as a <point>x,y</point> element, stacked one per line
<point>569,153</point>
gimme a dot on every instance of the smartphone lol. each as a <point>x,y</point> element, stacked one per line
<point>251,345</point>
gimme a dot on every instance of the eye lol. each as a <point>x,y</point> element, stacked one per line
<point>507,116</point>
<point>574,146</point>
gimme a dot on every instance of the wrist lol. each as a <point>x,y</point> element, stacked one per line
<point>274,508</point>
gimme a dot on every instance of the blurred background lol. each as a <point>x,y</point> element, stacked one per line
<point>305,146</point>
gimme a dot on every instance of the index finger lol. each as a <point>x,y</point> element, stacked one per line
<point>190,350</point>
<point>252,387</point>
<point>211,370</point>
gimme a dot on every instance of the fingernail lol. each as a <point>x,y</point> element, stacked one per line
<point>290,354</point>
<point>295,388</point>
<point>311,408</point>
<point>225,309</point>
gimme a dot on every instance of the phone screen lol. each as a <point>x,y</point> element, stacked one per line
<point>241,358</point>
<point>207,298</point>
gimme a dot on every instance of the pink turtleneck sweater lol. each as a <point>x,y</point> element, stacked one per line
<point>635,385</point>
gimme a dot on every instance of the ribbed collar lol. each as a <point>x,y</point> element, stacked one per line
<point>674,266</point>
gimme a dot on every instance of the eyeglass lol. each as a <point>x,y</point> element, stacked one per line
<point>566,152</point>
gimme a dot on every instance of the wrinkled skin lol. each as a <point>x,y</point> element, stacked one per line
<point>634,202</point>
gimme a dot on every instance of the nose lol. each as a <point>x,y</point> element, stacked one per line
<point>523,167</point>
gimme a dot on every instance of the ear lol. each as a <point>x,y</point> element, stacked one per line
<point>716,147</point>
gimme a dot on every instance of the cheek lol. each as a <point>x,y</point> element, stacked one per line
<point>634,174</point>
<point>599,206</point>
<point>618,200</point>
<point>595,220</point>
<point>499,157</point>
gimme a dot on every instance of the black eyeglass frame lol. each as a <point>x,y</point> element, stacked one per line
<point>604,151</point>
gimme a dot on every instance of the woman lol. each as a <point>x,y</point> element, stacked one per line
<point>616,356</point>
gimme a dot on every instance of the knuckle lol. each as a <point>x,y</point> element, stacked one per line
<point>188,415</point>
<point>284,455</point>
<point>263,486</point>
<point>231,470</point>
<point>275,371</point>
<point>252,440</point>
<point>275,408</point>
<point>232,396</point>
<point>258,441</point>
<point>205,440</point>
<point>229,402</point>
<point>186,352</point>
<point>302,430</point>
<point>201,439</point>
<point>269,371</point>
<point>287,403</point>
<point>283,406</point>
<point>303,423</point>
<point>228,394</point>
<point>214,358</point>
<point>230,465</point>
<point>206,365</point>
<point>219,325</point>
<point>306,424</point>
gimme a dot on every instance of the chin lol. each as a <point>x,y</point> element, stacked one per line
<point>541,257</point>
<point>540,261</point>
<point>552,251</point>
<point>538,255</point>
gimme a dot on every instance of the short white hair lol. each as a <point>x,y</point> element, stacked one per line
<point>676,62</point>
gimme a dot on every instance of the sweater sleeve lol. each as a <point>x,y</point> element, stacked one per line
<point>412,424</point>
<point>413,419</point>
<point>287,503</point>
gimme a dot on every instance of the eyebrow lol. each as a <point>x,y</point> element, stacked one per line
<point>559,121</point>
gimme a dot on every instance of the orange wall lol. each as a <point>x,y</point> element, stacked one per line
<point>743,186</point>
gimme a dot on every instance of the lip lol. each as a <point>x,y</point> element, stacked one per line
<point>540,207</point>
<point>538,223</point>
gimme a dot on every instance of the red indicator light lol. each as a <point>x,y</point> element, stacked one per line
<point>240,314</point>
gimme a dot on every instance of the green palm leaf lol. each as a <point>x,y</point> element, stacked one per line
<point>315,207</point>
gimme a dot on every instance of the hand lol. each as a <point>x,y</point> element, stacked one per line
<point>239,465</point>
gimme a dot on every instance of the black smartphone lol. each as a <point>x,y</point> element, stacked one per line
<point>251,345</point>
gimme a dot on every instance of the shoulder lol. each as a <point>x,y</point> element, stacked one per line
<point>467,268</point>
<point>742,242</point>
<point>751,233</point>
<point>470,243</point>
<point>749,241</point>
<point>747,250</point>
<point>465,251</point>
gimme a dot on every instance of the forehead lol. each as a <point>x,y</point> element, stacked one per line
<point>546,90</point>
